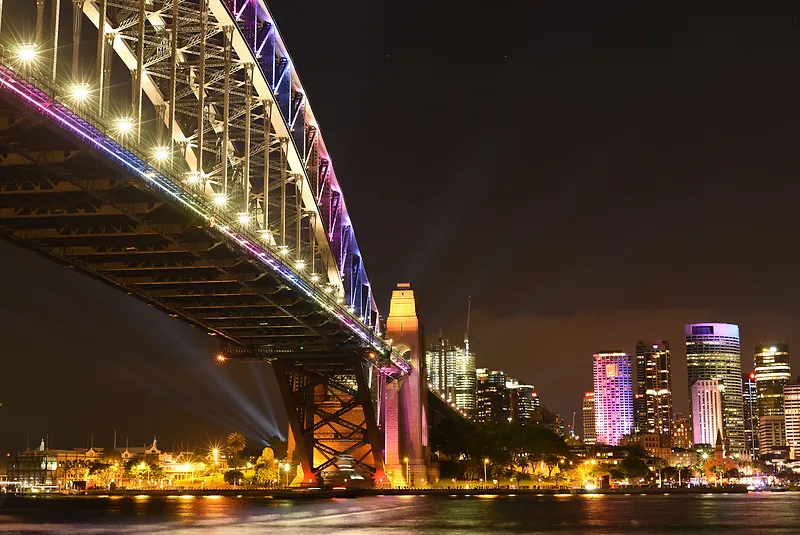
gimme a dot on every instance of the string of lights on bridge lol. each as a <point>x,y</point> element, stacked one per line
<point>81,121</point>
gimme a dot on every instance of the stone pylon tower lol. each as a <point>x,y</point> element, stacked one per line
<point>406,405</point>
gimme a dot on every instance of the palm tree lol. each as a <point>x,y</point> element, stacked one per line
<point>236,443</point>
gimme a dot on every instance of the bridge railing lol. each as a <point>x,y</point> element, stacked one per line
<point>42,94</point>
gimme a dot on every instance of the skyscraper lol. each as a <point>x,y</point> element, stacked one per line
<point>712,353</point>
<point>791,414</point>
<point>613,396</point>
<point>654,386</point>
<point>750,414</point>
<point>492,396</point>
<point>523,401</point>
<point>451,372</point>
<point>772,374</point>
<point>588,419</point>
<point>706,411</point>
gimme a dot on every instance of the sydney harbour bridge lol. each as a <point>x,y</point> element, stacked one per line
<point>168,148</point>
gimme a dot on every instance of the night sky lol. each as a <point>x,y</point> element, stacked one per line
<point>590,175</point>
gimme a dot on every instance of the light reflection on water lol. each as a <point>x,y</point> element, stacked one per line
<point>743,514</point>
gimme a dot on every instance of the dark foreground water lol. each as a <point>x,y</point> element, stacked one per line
<point>661,514</point>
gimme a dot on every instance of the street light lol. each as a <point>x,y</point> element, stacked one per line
<point>80,92</point>
<point>405,460</point>
<point>161,153</point>
<point>286,468</point>
<point>124,125</point>
<point>485,464</point>
<point>27,52</point>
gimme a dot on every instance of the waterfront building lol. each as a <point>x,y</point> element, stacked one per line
<point>655,444</point>
<point>451,373</point>
<point>682,434</point>
<point>791,414</point>
<point>501,399</point>
<point>492,400</point>
<point>750,403</point>
<point>654,386</point>
<point>772,374</point>
<point>707,411</point>
<point>683,458</point>
<point>588,419</point>
<point>523,401</point>
<point>771,435</point>
<point>613,396</point>
<point>713,353</point>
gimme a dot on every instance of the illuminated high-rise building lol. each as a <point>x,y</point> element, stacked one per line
<point>712,353</point>
<point>613,397</point>
<point>772,374</point>
<point>682,435</point>
<point>523,401</point>
<point>492,400</point>
<point>750,401</point>
<point>588,419</point>
<point>707,411</point>
<point>791,414</point>
<point>451,372</point>
<point>654,387</point>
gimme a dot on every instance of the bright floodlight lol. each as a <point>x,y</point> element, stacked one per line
<point>161,153</point>
<point>194,178</point>
<point>80,92</point>
<point>219,199</point>
<point>283,250</point>
<point>221,358</point>
<point>244,218</point>
<point>26,53</point>
<point>300,265</point>
<point>124,125</point>
<point>314,277</point>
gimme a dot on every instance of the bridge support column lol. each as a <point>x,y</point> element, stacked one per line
<point>407,440</point>
<point>331,414</point>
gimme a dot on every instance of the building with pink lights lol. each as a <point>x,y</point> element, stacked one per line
<point>613,397</point>
<point>706,411</point>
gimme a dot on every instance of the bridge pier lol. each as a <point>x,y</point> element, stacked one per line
<point>405,408</point>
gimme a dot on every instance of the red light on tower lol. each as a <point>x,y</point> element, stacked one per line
<point>752,375</point>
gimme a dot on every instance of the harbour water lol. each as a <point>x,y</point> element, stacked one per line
<point>729,514</point>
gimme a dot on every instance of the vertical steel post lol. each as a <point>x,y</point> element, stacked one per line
<point>267,136</point>
<point>137,82</point>
<point>226,107</point>
<point>284,146</point>
<point>109,55</point>
<point>201,89</point>
<point>101,51</point>
<point>55,22</point>
<point>39,21</point>
<point>248,108</point>
<point>312,234</point>
<point>298,204</point>
<point>77,19</point>
<point>173,78</point>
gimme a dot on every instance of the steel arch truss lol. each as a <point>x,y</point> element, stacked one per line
<point>331,412</point>
<point>213,114</point>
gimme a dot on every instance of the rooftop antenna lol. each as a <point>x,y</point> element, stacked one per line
<point>469,313</point>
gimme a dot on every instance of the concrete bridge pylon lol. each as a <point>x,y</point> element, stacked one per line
<point>406,401</point>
